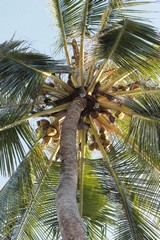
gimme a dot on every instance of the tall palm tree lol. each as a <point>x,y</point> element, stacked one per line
<point>93,118</point>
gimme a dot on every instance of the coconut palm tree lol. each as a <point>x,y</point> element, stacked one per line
<point>80,138</point>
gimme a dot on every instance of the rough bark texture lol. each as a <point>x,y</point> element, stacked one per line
<point>69,219</point>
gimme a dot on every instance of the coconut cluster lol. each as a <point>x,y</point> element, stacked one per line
<point>49,131</point>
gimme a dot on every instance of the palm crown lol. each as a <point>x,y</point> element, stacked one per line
<point>112,68</point>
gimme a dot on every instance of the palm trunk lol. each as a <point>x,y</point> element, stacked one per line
<point>69,218</point>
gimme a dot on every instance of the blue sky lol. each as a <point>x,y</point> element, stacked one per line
<point>31,20</point>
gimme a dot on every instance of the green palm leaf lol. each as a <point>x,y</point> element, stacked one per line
<point>139,192</point>
<point>127,167</point>
<point>15,141</point>
<point>96,205</point>
<point>69,14</point>
<point>95,229</point>
<point>99,214</point>
<point>40,218</point>
<point>23,72</point>
<point>144,126</point>
<point>16,194</point>
<point>33,205</point>
<point>131,45</point>
<point>140,182</point>
<point>68,17</point>
<point>100,13</point>
<point>118,11</point>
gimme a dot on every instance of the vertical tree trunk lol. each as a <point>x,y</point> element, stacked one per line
<point>69,218</point>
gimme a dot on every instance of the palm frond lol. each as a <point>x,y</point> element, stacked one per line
<point>14,144</point>
<point>132,228</point>
<point>82,144</point>
<point>103,224</point>
<point>37,218</point>
<point>68,17</point>
<point>141,184</point>
<point>144,126</point>
<point>94,201</point>
<point>23,72</point>
<point>103,12</point>
<point>96,9</point>
<point>98,14</point>
<point>131,45</point>
<point>112,216</point>
<point>13,122</point>
<point>40,218</point>
<point>95,229</point>
<point>99,213</point>
<point>18,191</point>
<point>118,11</point>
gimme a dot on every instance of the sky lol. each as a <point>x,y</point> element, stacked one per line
<point>32,21</point>
<point>29,20</point>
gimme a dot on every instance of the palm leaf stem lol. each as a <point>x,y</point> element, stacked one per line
<point>62,83</point>
<point>81,178</point>
<point>93,159</point>
<point>119,4</point>
<point>116,107</point>
<point>104,63</point>
<point>135,92</point>
<point>90,74</point>
<point>148,118</point>
<point>79,142</point>
<point>46,74</point>
<point>98,75</point>
<point>53,89</point>
<point>104,78</point>
<point>119,187</point>
<point>127,111</point>
<point>35,115</point>
<point>117,79</point>
<point>117,131</point>
<point>56,148</point>
<point>81,61</point>
<point>32,201</point>
<point>113,128</point>
<point>79,157</point>
<point>21,104</point>
<point>61,26</point>
<point>74,80</point>
<point>105,16</point>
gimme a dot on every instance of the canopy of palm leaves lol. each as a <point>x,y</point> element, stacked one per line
<point>112,59</point>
